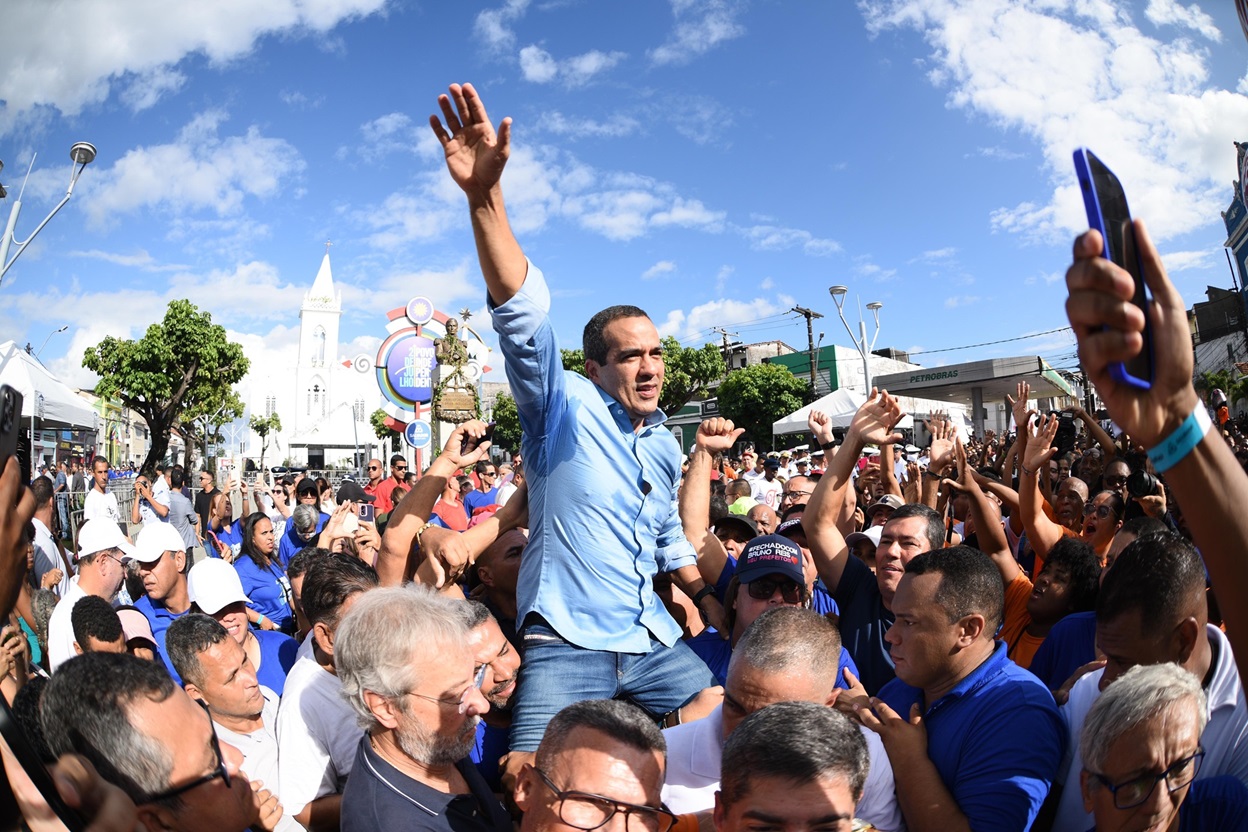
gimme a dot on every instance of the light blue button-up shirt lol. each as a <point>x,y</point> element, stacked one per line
<point>602,498</point>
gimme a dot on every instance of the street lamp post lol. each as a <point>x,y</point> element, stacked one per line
<point>860,342</point>
<point>49,338</point>
<point>82,154</point>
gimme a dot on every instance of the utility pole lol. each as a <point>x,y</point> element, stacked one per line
<point>809,315</point>
<point>724,349</point>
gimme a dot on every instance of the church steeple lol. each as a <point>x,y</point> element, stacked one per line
<point>322,295</point>
<point>318,349</point>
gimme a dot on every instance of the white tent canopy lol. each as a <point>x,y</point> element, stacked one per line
<point>841,405</point>
<point>61,403</point>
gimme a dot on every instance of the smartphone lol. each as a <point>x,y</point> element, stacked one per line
<point>368,514</point>
<point>10,425</point>
<point>1106,205</point>
<point>28,758</point>
<point>469,444</point>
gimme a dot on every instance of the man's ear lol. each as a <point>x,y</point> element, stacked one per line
<point>1184,639</point>
<point>382,709</point>
<point>156,818</point>
<point>324,638</point>
<point>525,793</point>
<point>591,369</point>
<point>485,575</point>
<point>77,649</point>
<point>179,561</point>
<point>720,814</point>
<point>970,628</point>
<point>192,691</point>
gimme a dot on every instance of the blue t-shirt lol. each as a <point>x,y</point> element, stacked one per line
<point>160,618</point>
<point>1219,803</point>
<point>996,739</point>
<point>268,590</point>
<point>864,622</point>
<point>488,748</point>
<point>277,656</point>
<point>474,500</point>
<point>231,535</point>
<point>1070,644</point>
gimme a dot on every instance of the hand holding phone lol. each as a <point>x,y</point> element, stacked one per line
<point>368,514</point>
<point>468,444</point>
<point>1106,206</point>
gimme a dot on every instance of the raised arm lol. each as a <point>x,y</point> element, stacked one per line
<point>1042,532</point>
<point>888,472</point>
<point>988,529</point>
<point>873,423</point>
<point>1095,431</point>
<point>1208,482</point>
<point>475,158</point>
<point>714,436</point>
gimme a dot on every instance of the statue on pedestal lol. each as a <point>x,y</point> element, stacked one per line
<point>455,398</point>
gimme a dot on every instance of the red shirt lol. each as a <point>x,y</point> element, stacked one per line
<point>452,514</point>
<point>385,495</point>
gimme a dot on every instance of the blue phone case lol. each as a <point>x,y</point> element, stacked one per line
<point>1092,204</point>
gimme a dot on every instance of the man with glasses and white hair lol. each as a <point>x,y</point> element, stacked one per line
<point>1144,731</point>
<point>598,758</point>
<point>102,553</point>
<point>406,669</point>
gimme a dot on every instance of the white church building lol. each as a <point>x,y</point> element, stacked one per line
<point>324,401</point>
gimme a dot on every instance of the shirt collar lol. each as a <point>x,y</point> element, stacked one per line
<point>977,678</point>
<point>622,419</point>
<point>427,798</point>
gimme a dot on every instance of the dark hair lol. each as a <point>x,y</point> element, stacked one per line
<point>186,638</point>
<point>1159,575</point>
<point>1079,561</point>
<point>795,742</point>
<point>98,459</point>
<point>1116,504</point>
<point>799,509</point>
<point>935,523</point>
<point>86,710</point>
<point>592,341</point>
<point>249,549</point>
<point>396,458</point>
<point>303,560</point>
<point>1144,526</point>
<point>177,477</point>
<point>476,614</point>
<point>329,582</point>
<point>969,583</point>
<point>482,466</point>
<point>620,721</point>
<point>42,490</point>
<point>718,508</point>
<point>26,705</point>
<point>739,488</point>
<point>93,617</point>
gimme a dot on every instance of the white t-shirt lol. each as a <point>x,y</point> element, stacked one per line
<point>48,557</point>
<point>767,493</point>
<point>61,627</point>
<point>101,506</point>
<point>1225,738</point>
<point>259,750</point>
<point>504,492</point>
<point>695,751</point>
<point>317,729</point>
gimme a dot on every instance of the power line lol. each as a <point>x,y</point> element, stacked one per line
<point>991,343</point>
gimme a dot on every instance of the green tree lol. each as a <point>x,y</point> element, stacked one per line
<point>263,426</point>
<point>179,365</point>
<point>383,431</point>
<point>202,423</point>
<point>687,371</point>
<point>506,423</point>
<point>757,396</point>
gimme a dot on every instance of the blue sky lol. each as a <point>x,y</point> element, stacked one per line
<point>716,162</point>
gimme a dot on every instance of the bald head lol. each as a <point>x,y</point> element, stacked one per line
<point>1075,485</point>
<point>765,518</point>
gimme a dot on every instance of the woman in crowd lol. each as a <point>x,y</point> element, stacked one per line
<point>262,575</point>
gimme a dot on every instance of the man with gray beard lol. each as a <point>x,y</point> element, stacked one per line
<point>403,657</point>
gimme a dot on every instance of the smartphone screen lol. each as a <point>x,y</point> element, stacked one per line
<point>1106,205</point>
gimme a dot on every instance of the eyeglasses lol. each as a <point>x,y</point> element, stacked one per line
<point>764,588</point>
<point>1101,511</point>
<point>374,467</point>
<point>490,474</point>
<point>477,681</point>
<point>400,467</point>
<point>1132,793</point>
<point>1115,482</point>
<point>582,810</point>
<point>220,771</point>
<point>793,495</point>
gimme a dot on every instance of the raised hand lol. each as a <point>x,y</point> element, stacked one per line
<point>475,154</point>
<point>820,424</point>
<point>1109,327</point>
<point>874,422</point>
<point>717,435</point>
<point>941,452</point>
<point>472,432</point>
<point>1018,404</point>
<point>1039,444</point>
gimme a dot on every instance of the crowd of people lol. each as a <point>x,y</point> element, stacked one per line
<point>997,632</point>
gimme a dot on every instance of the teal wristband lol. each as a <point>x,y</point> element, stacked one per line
<point>1169,451</point>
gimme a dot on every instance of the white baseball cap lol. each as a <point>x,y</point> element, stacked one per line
<point>100,535</point>
<point>213,585</point>
<point>155,540</point>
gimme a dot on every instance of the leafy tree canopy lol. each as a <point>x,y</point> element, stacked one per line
<point>755,397</point>
<point>182,365</point>
<point>383,431</point>
<point>506,423</point>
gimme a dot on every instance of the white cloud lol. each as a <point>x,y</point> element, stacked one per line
<point>960,300</point>
<point>141,260</point>
<point>198,171</point>
<point>1178,261</point>
<point>537,65</point>
<point>540,67</point>
<point>701,25</point>
<point>864,267</point>
<point>1163,12</point>
<point>1068,72</point>
<point>614,127</point>
<point>150,87</point>
<point>70,57</point>
<point>658,270</point>
<point>778,238</point>
<point>494,25</point>
<point>767,283</point>
<point>939,254</point>
<point>698,321</point>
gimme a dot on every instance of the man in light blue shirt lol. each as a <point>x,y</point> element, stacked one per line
<point>602,474</point>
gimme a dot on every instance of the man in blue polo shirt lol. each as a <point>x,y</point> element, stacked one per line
<point>161,561</point>
<point>602,472</point>
<point>974,740</point>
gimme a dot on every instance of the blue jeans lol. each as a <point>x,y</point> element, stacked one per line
<point>62,509</point>
<point>555,674</point>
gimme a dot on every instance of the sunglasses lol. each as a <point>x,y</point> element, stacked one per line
<point>764,588</point>
<point>1102,512</point>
